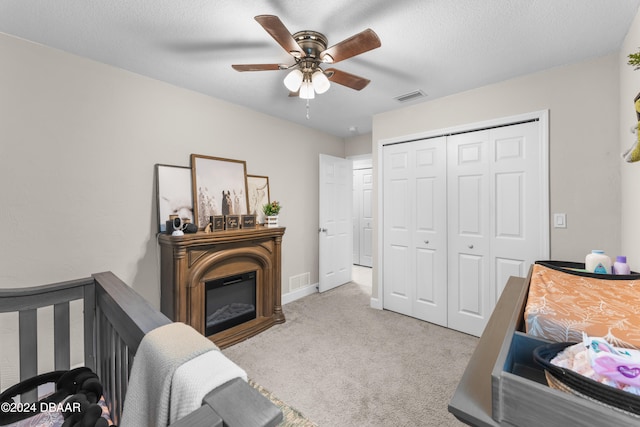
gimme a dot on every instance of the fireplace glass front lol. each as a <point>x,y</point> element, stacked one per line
<point>229,301</point>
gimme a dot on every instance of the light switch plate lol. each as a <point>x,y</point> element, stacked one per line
<point>560,220</point>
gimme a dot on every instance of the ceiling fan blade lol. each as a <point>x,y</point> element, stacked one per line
<point>354,45</point>
<point>346,79</point>
<point>256,67</point>
<point>274,26</point>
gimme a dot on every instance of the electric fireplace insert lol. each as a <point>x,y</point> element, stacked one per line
<point>229,301</point>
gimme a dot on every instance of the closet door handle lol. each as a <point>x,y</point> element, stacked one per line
<point>470,246</point>
<point>426,242</point>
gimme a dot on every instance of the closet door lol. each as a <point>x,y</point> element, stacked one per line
<point>495,224</point>
<point>415,230</point>
<point>398,187</point>
<point>469,301</point>
<point>517,179</point>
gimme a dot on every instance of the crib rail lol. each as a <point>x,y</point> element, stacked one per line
<point>26,302</point>
<point>115,320</point>
<point>122,319</point>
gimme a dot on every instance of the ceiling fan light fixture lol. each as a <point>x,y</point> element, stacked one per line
<point>293,80</point>
<point>327,58</point>
<point>320,82</point>
<point>306,90</point>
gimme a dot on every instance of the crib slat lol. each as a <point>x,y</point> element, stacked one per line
<point>124,372</point>
<point>119,396</point>
<point>111,368</point>
<point>90,329</point>
<point>61,336</point>
<point>28,342</point>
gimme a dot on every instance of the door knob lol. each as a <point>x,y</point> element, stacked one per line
<point>470,246</point>
<point>426,242</point>
<point>322,230</point>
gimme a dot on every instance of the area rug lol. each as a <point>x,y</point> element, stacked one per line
<point>292,417</point>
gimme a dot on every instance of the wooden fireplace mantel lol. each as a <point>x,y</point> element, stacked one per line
<point>188,261</point>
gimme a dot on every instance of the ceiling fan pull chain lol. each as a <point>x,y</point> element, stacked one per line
<point>308,116</point>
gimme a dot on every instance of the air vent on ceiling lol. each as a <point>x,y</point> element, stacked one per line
<point>410,96</point>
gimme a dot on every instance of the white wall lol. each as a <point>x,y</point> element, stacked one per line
<point>630,172</point>
<point>584,153</point>
<point>79,141</point>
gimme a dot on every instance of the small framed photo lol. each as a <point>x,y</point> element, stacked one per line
<point>217,222</point>
<point>232,221</point>
<point>219,187</point>
<point>248,221</point>
<point>173,194</point>
<point>258,192</point>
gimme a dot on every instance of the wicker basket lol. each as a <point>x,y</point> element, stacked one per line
<point>571,382</point>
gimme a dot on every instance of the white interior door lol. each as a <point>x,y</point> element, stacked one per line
<point>517,239</point>
<point>495,223</point>
<point>415,233</point>
<point>397,207</point>
<point>469,240</point>
<point>363,216</point>
<point>336,222</point>
<point>430,230</point>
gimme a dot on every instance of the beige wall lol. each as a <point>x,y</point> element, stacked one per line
<point>583,143</point>
<point>357,145</point>
<point>79,143</point>
<point>630,172</point>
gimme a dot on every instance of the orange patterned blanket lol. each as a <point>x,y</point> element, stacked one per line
<point>562,305</point>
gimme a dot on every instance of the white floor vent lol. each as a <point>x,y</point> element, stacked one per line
<point>299,281</point>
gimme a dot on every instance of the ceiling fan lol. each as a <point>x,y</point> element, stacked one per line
<point>309,50</point>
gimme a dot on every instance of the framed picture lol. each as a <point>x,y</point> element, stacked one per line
<point>174,194</point>
<point>219,187</point>
<point>248,221</point>
<point>232,221</point>
<point>218,223</point>
<point>258,192</point>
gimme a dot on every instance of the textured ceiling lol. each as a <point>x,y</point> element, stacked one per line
<point>439,46</point>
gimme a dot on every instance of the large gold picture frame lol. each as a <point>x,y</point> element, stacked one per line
<point>219,187</point>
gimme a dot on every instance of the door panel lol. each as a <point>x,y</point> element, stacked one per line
<point>396,246</point>
<point>470,203</point>
<point>469,225</point>
<point>366,218</point>
<point>336,228</point>
<point>363,217</point>
<point>509,205</point>
<point>517,173</point>
<point>415,220</point>
<point>470,284</point>
<point>426,292</point>
<point>430,231</point>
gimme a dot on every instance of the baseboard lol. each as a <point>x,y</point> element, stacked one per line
<point>299,293</point>
<point>376,303</point>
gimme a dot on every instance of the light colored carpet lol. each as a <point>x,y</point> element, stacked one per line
<point>342,363</point>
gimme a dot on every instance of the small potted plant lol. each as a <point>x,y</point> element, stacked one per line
<point>271,211</point>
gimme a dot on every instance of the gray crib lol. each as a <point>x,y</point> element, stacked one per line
<point>115,320</point>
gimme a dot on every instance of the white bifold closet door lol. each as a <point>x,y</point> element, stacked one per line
<point>415,229</point>
<point>461,214</point>
<point>495,225</point>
